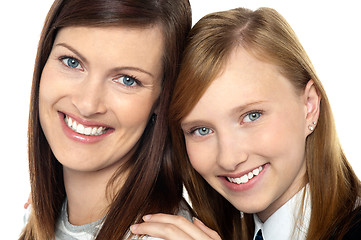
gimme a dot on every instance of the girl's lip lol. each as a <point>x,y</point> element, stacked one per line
<point>87,139</point>
<point>240,174</point>
<point>243,186</point>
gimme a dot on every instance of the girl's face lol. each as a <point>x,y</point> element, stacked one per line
<point>97,93</point>
<point>246,135</point>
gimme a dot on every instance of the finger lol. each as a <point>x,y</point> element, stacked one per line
<point>181,223</point>
<point>161,230</point>
<point>211,233</point>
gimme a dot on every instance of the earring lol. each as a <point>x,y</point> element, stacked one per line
<point>154,118</point>
<point>312,127</point>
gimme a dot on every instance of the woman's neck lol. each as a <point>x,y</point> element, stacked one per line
<point>86,194</point>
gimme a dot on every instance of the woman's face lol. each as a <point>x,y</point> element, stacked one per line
<point>97,93</point>
<point>246,135</point>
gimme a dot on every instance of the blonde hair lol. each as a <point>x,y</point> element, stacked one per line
<point>334,187</point>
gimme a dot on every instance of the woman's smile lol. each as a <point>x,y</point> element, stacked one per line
<point>83,131</point>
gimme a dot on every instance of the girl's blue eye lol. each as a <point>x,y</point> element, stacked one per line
<point>71,62</point>
<point>202,131</point>
<point>127,81</point>
<point>253,116</point>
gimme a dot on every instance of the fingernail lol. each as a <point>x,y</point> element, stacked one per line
<point>147,217</point>
<point>196,219</point>
<point>133,227</point>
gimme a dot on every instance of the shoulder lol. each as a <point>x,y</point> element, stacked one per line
<point>185,210</point>
<point>354,233</point>
<point>27,214</point>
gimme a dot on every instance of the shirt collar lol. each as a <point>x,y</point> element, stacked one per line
<point>281,224</point>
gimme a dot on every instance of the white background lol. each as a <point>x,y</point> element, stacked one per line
<point>329,32</point>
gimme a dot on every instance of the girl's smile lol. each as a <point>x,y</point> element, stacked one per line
<point>246,181</point>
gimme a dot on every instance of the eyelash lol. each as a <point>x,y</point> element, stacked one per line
<point>62,58</point>
<point>249,113</point>
<point>193,130</point>
<point>137,82</point>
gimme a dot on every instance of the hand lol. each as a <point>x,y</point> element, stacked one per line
<point>171,227</point>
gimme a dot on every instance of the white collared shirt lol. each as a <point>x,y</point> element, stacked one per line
<point>281,225</point>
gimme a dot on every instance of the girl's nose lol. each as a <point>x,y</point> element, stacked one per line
<point>231,153</point>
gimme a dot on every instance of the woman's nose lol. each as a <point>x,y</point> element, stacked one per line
<point>89,98</point>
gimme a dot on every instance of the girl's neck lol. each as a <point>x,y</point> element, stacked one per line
<point>297,185</point>
<point>86,194</point>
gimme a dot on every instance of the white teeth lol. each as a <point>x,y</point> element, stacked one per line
<point>88,131</point>
<point>245,178</point>
<point>73,126</point>
<point>81,129</point>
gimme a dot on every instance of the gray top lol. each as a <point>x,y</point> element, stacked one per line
<point>67,231</point>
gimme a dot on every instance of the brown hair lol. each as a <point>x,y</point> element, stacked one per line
<point>334,187</point>
<point>158,184</point>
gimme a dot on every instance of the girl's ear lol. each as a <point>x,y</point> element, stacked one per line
<point>312,101</point>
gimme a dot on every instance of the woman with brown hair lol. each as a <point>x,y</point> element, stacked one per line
<point>254,135</point>
<point>99,154</point>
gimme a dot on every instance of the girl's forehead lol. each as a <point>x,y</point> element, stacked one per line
<point>245,81</point>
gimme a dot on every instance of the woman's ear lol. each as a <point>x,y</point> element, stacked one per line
<point>155,111</point>
<point>312,101</point>
<point>156,107</point>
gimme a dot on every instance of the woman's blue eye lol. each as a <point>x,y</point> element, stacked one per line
<point>126,80</point>
<point>71,62</point>
<point>252,117</point>
<point>202,131</point>
<point>129,81</point>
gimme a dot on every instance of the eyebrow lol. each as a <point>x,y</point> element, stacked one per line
<point>233,111</point>
<point>117,69</point>
<point>187,125</point>
<point>244,106</point>
<point>82,58</point>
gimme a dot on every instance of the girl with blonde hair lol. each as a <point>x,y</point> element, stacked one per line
<point>254,135</point>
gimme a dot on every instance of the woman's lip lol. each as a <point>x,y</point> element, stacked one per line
<point>71,134</point>
<point>85,122</point>
<point>244,186</point>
